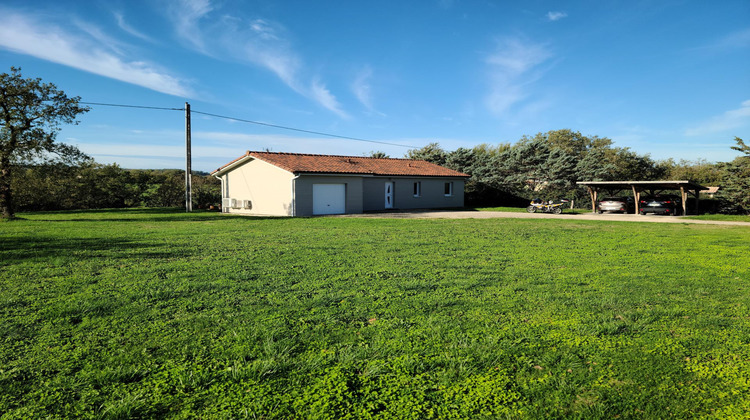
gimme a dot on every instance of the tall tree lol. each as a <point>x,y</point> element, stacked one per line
<point>700,171</point>
<point>631,166</point>
<point>595,166</point>
<point>378,154</point>
<point>571,142</point>
<point>431,153</point>
<point>31,113</point>
<point>735,188</point>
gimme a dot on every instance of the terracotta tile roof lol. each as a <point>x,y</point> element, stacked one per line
<point>307,163</point>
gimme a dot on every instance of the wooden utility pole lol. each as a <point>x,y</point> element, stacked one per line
<point>188,163</point>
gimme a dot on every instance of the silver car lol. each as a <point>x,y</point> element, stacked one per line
<point>616,204</point>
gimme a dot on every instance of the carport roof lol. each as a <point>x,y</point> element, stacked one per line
<point>688,185</point>
<point>684,187</point>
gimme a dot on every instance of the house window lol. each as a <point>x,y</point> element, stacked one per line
<point>448,189</point>
<point>418,189</point>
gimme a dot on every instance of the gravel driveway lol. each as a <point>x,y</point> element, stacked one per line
<point>467,214</point>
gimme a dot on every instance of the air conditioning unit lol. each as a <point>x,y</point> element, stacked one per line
<point>247,204</point>
<point>234,203</point>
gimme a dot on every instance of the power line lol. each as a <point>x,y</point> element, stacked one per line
<point>319,133</point>
<point>301,130</point>
<point>133,106</point>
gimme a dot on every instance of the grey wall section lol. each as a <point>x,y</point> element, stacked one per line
<point>303,187</point>
<point>433,193</point>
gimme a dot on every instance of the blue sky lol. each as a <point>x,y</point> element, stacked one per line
<point>667,78</point>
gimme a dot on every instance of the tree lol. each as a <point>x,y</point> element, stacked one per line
<point>378,155</point>
<point>630,166</point>
<point>571,142</point>
<point>735,188</point>
<point>431,153</point>
<point>595,166</point>
<point>31,113</point>
<point>206,191</point>
<point>699,171</point>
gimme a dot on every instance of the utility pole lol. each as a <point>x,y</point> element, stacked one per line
<point>188,163</point>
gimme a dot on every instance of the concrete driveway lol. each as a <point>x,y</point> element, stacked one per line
<point>468,214</point>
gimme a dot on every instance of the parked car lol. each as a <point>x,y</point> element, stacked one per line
<point>661,204</point>
<point>617,204</point>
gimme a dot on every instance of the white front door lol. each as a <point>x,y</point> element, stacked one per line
<point>329,198</point>
<point>389,195</point>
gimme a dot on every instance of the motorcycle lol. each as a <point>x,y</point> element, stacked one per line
<point>537,205</point>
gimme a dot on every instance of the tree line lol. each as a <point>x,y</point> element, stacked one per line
<point>548,165</point>
<point>90,185</point>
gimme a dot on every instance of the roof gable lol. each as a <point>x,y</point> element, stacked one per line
<point>320,164</point>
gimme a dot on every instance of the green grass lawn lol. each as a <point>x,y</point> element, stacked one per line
<point>717,217</point>
<point>153,313</point>
<point>721,217</point>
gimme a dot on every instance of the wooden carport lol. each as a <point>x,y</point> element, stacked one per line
<point>637,187</point>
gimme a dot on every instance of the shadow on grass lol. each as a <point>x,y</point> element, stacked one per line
<point>131,215</point>
<point>19,249</point>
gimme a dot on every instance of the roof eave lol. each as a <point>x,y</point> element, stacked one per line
<point>369,174</point>
<point>231,165</point>
<point>686,183</point>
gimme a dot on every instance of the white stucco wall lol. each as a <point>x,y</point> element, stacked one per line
<point>268,187</point>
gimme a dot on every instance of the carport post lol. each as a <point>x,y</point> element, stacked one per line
<point>683,196</point>
<point>592,194</point>
<point>637,199</point>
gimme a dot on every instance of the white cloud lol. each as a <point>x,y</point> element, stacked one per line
<point>362,89</point>
<point>733,41</point>
<point>212,149</point>
<point>104,41</point>
<point>186,15</point>
<point>512,68</point>
<point>140,150</point>
<point>245,141</point>
<point>727,121</point>
<point>264,29</point>
<point>94,54</point>
<point>324,97</point>
<point>555,16</point>
<point>265,48</point>
<point>129,29</point>
<point>262,42</point>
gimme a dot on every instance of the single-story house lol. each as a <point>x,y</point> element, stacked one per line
<point>292,184</point>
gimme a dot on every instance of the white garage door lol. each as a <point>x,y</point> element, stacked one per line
<point>329,198</point>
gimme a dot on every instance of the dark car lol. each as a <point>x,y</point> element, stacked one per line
<point>661,204</point>
<point>616,204</point>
